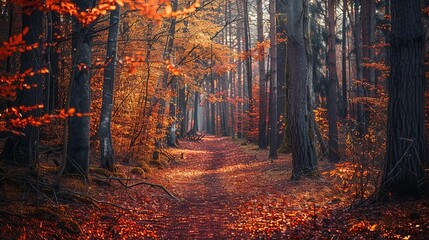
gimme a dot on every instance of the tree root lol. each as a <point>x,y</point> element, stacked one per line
<point>170,158</point>
<point>50,215</point>
<point>120,180</point>
<point>194,136</point>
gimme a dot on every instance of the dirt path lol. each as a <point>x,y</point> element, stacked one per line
<point>227,191</point>
<point>215,178</point>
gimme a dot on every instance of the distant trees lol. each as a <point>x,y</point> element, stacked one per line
<point>196,70</point>
<point>407,151</point>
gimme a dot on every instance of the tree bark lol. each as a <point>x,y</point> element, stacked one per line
<point>240,91</point>
<point>359,113</point>
<point>407,150</point>
<point>195,127</point>
<point>333,155</point>
<point>344,103</point>
<point>262,130</point>
<point>368,37</point>
<point>78,141</point>
<point>182,111</point>
<point>273,82</point>
<point>281,66</point>
<point>303,151</point>
<point>171,130</point>
<point>249,58</point>
<point>107,158</point>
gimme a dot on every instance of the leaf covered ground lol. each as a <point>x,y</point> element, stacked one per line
<point>226,189</point>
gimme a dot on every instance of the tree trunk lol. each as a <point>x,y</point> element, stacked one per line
<point>52,60</point>
<point>212,92</point>
<point>344,104</point>
<point>407,150</point>
<point>303,151</point>
<point>232,79</point>
<point>182,111</point>
<point>262,133</point>
<point>281,65</point>
<point>10,29</point>
<point>78,141</point>
<point>195,127</point>
<point>273,82</point>
<point>332,86</point>
<point>107,158</point>
<point>240,92</point>
<point>368,27</point>
<point>248,59</point>
<point>171,130</point>
<point>359,113</point>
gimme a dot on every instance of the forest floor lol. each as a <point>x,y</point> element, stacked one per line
<point>225,189</point>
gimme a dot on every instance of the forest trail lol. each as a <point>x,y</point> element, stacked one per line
<point>226,190</point>
<point>215,178</point>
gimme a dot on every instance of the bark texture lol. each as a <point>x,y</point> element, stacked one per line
<point>78,141</point>
<point>273,82</point>
<point>107,158</point>
<point>407,150</point>
<point>333,155</point>
<point>262,133</point>
<point>303,151</point>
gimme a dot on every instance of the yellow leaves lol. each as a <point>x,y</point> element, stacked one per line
<point>171,68</point>
<point>119,2</point>
<point>372,228</point>
<point>43,71</point>
<point>168,9</point>
<point>71,111</point>
<point>362,225</point>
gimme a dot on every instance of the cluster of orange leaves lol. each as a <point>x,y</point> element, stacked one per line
<point>12,119</point>
<point>16,44</point>
<point>171,68</point>
<point>10,84</point>
<point>255,51</point>
<point>133,62</point>
<point>147,8</point>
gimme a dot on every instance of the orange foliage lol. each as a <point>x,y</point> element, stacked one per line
<point>16,44</point>
<point>147,8</point>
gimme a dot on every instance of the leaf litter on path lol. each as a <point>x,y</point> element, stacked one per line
<point>233,191</point>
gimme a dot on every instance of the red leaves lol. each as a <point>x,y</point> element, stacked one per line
<point>147,8</point>
<point>16,44</point>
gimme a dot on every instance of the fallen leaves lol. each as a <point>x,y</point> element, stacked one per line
<point>227,192</point>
